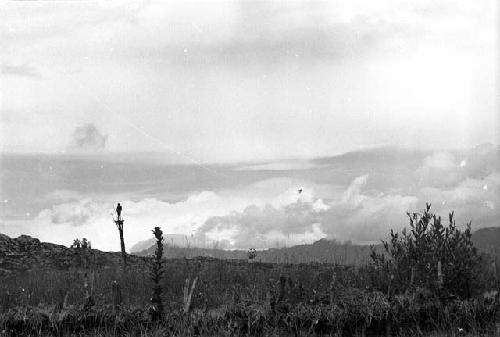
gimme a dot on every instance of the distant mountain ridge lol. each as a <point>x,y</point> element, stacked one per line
<point>487,240</point>
<point>327,251</point>
<point>25,253</point>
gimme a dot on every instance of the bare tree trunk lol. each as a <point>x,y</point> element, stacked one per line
<point>122,245</point>
<point>117,295</point>
<point>87,286</point>
<point>119,224</point>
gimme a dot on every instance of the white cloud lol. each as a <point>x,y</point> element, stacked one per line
<point>351,215</point>
<point>91,218</point>
<point>440,169</point>
<point>280,166</point>
<point>268,211</point>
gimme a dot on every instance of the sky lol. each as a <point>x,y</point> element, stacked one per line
<point>208,116</point>
<point>223,81</point>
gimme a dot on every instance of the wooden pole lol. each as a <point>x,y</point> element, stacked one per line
<point>188,293</point>
<point>440,274</point>
<point>391,277</point>
<point>116,294</point>
<point>119,225</point>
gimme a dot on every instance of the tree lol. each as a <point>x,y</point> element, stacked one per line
<point>76,243</point>
<point>156,275</point>
<point>83,244</point>
<point>86,244</point>
<point>431,255</point>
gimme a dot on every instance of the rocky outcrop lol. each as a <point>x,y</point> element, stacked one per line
<point>26,253</point>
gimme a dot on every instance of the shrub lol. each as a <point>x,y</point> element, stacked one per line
<point>412,258</point>
<point>156,275</point>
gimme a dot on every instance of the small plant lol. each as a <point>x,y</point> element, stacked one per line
<point>86,244</point>
<point>156,275</point>
<point>252,254</point>
<point>76,244</point>
<point>83,244</point>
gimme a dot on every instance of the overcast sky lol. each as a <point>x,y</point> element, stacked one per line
<point>257,98</point>
<point>243,80</point>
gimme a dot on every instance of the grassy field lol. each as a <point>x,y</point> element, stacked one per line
<point>234,298</point>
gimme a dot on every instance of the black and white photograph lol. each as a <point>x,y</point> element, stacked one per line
<point>250,168</point>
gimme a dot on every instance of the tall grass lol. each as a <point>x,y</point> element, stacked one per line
<point>234,298</point>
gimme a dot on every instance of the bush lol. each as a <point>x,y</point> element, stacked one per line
<point>412,258</point>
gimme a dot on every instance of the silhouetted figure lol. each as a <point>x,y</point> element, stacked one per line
<point>119,211</point>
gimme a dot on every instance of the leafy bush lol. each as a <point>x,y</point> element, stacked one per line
<point>412,258</point>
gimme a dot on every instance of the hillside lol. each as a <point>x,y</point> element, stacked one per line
<point>487,240</point>
<point>26,253</point>
<point>320,251</point>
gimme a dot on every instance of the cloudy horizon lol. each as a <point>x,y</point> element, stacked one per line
<point>208,117</point>
<point>357,197</point>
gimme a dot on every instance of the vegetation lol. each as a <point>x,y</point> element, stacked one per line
<point>83,243</point>
<point>434,256</point>
<point>156,276</point>
<point>237,298</point>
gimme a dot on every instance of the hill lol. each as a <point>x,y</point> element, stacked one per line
<point>25,253</point>
<point>327,251</point>
<point>487,240</point>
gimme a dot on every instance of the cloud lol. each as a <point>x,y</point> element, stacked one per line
<point>260,227</point>
<point>367,216</point>
<point>214,33</point>
<point>20,70</point>
<point>91,217</point>
<point>476,200</point>
<point>88,138</point>
<point>269,212</point>
<point>263,33</point>
<point>285,165</point>
<point>448,169</point>
<point>351,215</point>
<point>440,169</point>
<point>77,213</point>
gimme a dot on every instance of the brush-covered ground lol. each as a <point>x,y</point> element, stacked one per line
<point>43,293</point>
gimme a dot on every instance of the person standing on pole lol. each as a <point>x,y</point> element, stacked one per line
<point>119,211</point>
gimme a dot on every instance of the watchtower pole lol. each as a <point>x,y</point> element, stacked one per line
<point>119,224</point>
